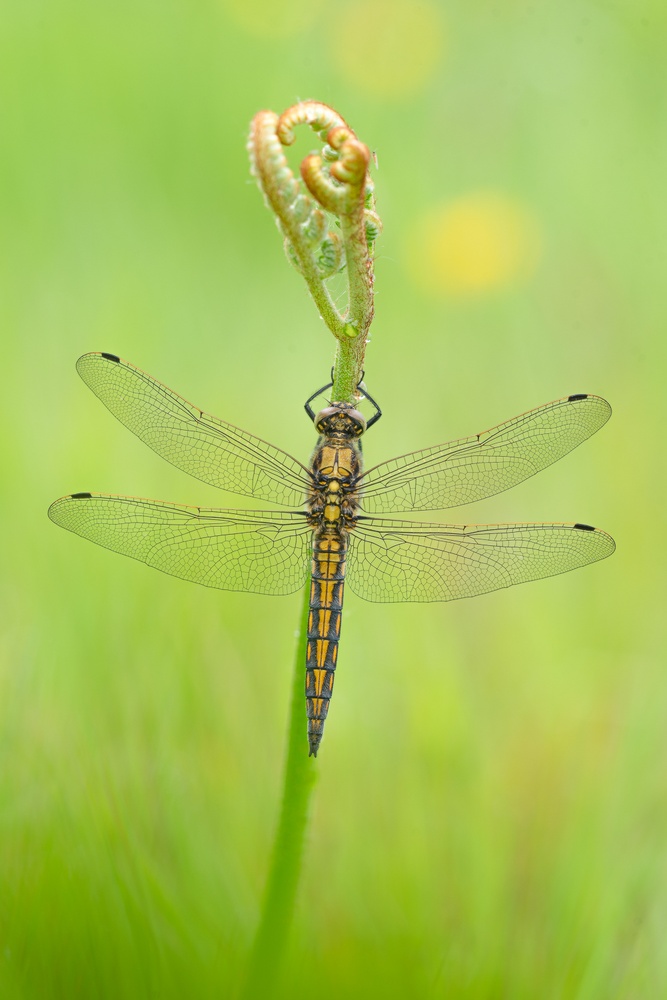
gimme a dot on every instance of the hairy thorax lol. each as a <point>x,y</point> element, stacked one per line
<point>333,498</point>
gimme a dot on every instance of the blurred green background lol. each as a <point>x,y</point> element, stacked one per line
<point>491,813</point>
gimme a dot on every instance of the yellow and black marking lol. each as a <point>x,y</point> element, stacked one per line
<point>335,467</point>
<point>326,607</point>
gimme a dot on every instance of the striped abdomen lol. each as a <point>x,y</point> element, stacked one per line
<point>326,606</point>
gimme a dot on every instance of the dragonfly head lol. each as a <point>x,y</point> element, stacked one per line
<point>340,418</point>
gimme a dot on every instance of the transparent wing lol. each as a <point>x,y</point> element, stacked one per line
<point>407,561</point>
<point>201,445</point>
<point>262,552</point>
<point>473,468</point>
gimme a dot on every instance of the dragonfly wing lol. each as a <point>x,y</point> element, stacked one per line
<point>196,442</point>
<point>410,561</point>
<point>473,468</point>
<point>262,552</point>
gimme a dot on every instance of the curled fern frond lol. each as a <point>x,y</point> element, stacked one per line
<point>319,116</point>
<point>331,260</point>
<point>334,192</point>
<point>373,227</point>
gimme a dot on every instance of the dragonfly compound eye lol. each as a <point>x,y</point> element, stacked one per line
<point>357,421</point>
<point>340,418</point>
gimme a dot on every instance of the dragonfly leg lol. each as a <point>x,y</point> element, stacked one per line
<point>307,407</point>
<point>374,419</point>
<point>378,412</point>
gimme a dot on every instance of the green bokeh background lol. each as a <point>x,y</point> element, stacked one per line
<point>491,813</point>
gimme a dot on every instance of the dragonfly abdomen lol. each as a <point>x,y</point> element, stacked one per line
<point>326,606</point>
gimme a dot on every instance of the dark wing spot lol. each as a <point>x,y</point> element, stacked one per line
<point>578,395</point>
<point>114,357</point>
<point>585,527</point>
<point>80,496</point>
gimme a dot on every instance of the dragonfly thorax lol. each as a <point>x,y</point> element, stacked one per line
<point>340,419</point>
<point>335,467</point>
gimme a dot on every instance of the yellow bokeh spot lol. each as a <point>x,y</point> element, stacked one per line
<point>476,244</point>
<point>269,19</point>
<point>389,48</point>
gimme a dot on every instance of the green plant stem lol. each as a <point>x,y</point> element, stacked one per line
<point>316,285</point>
<point>271,939</point>
<point>347,370</point>
<point>348,366</point>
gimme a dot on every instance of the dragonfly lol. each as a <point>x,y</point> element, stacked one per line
<point>331,527</point>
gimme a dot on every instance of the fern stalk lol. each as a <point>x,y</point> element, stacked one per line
<point>271,938</point>
<point>329,225</point>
